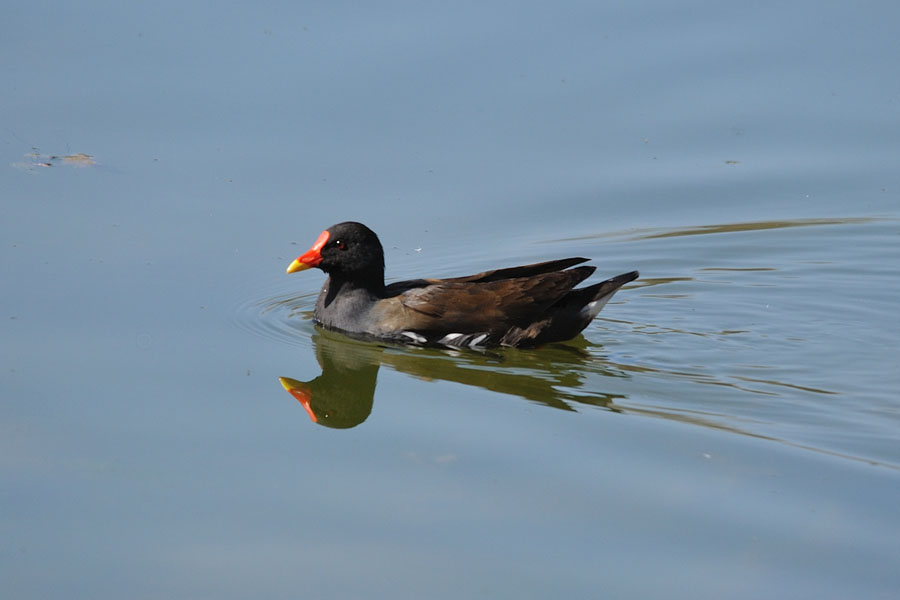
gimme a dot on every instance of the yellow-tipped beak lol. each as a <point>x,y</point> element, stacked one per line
<point>312,257</point>
<point>298,266</point>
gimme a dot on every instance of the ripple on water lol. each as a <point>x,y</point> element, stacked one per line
<point>284,317</point>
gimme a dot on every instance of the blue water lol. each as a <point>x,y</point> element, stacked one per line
<point>728,426</point>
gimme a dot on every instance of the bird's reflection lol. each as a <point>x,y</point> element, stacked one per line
<point>343,395</point>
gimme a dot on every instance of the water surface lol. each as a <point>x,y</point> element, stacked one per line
<point>172,425</point>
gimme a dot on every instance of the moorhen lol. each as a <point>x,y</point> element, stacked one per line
<point>519,306</point>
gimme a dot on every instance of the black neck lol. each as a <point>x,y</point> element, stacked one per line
<point>371,282</point>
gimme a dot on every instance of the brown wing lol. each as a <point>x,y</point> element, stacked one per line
<point>476,306</point>
<point>514,272</point>
<point>399,287</point>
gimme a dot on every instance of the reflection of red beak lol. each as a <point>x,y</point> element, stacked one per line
<point>312,257</point>
<point>301,392</point>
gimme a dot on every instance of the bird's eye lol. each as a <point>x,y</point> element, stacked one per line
<point>340,244</point>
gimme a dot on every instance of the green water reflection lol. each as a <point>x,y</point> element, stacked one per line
<point>343,395</point>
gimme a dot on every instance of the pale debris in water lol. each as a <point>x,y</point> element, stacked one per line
<point>81,160</point>
<point>35,159</point>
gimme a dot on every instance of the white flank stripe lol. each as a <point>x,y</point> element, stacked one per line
<point>450,338</point>
<point>419,339</point>
<point>478,340</point>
